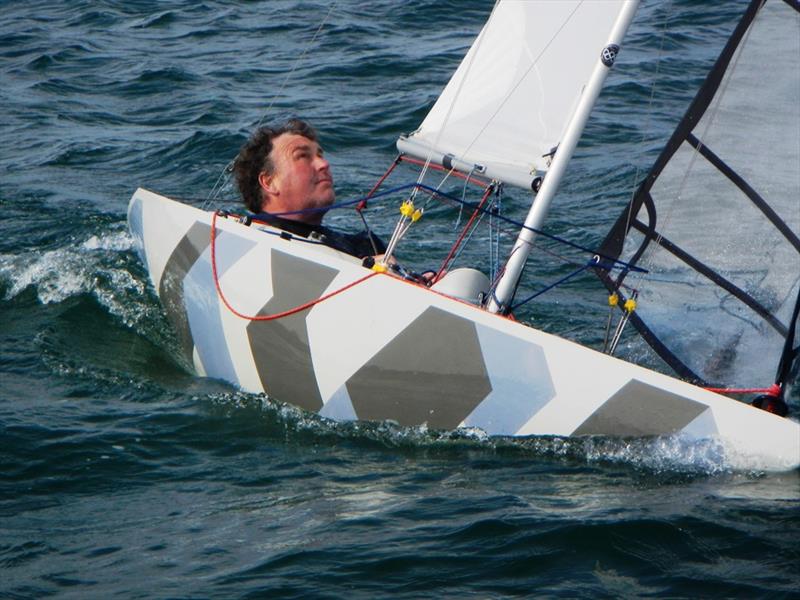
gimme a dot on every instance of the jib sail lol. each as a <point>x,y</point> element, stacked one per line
<point>507,106</point>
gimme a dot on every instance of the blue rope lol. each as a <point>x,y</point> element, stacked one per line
<point>348,203</point>
<point>610,262</point>
<point>552,285</point>
<point>555,238</point>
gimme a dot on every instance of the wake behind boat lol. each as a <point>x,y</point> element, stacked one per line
<point>278,313</point>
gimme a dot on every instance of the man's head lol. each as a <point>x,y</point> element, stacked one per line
<point>282,169</point>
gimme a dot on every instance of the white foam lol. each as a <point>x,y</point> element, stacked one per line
<point>119,241</point>
<point>668,454</point>
<point>98,266</point>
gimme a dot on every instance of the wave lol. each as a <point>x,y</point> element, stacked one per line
<point>100,265</point>
<point>105,325</point>
<point>667,456</point>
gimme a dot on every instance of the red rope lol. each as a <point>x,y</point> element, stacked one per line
<point>363,204</point>
<point>773,390</point>
<point>279,315</point>
<point>467,227</point>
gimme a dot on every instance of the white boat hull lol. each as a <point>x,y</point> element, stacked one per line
<point>390,349</point>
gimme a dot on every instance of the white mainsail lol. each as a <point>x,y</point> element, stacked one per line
<point>508,105</point>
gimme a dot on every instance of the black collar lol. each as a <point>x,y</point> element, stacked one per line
<point>296,227</point>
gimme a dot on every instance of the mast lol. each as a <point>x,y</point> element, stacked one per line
<point>539,209</point>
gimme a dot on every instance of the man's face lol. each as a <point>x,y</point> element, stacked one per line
<point>302,177</point>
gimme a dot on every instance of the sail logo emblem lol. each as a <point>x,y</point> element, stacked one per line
<point>609,54</point>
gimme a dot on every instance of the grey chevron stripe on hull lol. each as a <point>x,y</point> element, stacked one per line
<point>280,348</point>
<point>170,289</point>
<point>640,409</point>
<point>204,310</point>
<point>432,372</point>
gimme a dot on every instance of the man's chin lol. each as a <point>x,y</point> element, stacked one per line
<point>326,200</point>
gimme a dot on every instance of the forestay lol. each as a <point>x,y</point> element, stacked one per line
<point>717,220</point>
<point>508,104</point>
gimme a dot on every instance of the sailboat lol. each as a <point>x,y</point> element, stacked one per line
<point>275,313</point>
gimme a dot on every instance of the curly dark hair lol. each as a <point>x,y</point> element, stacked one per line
<point>253,159</point>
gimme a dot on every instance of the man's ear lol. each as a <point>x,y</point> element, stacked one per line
<point>267,183</point>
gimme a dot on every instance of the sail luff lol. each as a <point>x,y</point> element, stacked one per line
<point>506,287</point>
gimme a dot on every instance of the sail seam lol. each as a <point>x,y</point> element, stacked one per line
<point>740,182</point>
<point>714,276</point>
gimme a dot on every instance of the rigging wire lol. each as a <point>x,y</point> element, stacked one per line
<point>494,230</point>
<point>588,265</point>
<point>362,205</point>
<point>614,262</point>
<point>225,176</point>
<point>468,228</point>
<point>463,197</point>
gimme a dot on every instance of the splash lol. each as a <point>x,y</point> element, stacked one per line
<point>667,455</point>
<point>101,265</point>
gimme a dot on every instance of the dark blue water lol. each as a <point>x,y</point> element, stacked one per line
<point>124,475</point>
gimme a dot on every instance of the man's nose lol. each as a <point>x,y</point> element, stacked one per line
<point>323,164</point>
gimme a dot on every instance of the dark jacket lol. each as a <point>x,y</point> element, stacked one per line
<point>354,244</point>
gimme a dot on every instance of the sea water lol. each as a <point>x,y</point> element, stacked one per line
<point>122,474</point>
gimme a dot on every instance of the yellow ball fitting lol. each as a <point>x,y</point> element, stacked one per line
<point>379,267</point>
<point>417,214</point>
<point>613,300</point>
<point>407,208</point>
<point>630,305</point>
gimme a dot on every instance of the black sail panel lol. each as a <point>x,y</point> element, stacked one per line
<point>717,220</point>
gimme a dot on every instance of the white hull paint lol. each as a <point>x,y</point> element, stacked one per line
<point>390,349</point>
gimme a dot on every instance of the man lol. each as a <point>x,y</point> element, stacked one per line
<point>285,180</point>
